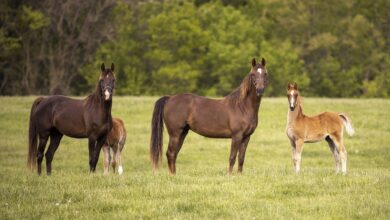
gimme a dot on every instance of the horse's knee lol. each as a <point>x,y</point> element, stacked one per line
<point>170,155</point>
<point>39,157</point>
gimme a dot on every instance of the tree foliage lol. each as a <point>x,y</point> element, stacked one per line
<point>330,48</point>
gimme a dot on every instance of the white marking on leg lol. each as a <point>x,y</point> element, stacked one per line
<point>297,162</point>
<point>343,162</point>
<point>120,170</point>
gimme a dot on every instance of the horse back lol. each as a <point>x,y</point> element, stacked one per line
<point>205,116</point>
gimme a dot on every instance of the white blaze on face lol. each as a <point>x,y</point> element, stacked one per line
<point>107,94</point>
<point>292,99</point>
<point>260,71</point>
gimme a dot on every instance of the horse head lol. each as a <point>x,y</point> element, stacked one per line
<point>292,95</point>
<point>107,82</point>
<point>259,76</point>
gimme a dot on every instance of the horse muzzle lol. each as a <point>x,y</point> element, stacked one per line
<point>107,92</point>
<point>259,91</point>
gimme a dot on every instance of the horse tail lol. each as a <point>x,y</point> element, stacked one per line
<point>348,124</point>
<point>156,139</point>
<point>32,137</point>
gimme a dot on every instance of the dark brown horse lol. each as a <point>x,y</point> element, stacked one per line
<point>234,117</point>
<point>55,116</point>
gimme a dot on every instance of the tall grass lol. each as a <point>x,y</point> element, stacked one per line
<point>268,188</point>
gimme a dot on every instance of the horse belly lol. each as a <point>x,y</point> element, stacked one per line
<point>210,128</point>
<point>315,137</point>
<point>70,126</point>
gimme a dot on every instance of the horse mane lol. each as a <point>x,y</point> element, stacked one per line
<point>240,93</point>
<point>94,97</point>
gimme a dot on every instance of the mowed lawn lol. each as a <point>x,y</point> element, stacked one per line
<point>268,188</point>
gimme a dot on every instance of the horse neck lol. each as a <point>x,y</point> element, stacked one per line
<point>252,101</point>
<point>97,101</point>
<point>296,114</point>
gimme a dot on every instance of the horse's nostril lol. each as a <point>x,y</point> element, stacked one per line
<point>259,91</point>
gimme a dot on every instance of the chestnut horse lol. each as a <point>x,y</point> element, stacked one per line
<point>55,116</point>
<point>234,116</point>
<point>116,141</point>
<point>304,129</point>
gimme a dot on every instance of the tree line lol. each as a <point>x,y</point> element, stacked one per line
<point>331,48</point>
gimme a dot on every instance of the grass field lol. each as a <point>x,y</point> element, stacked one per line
<point>268,188</point>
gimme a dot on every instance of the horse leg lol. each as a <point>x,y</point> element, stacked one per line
<point>107,158</point>
<point>293,150</point>
<point>174,146</point>
<point>335,152</point>
<point>338,140</point>
<point>241,153</point>
<point>114,152</point>
<point>236,141</point>
<point>118,158</point>
<point>343,154</point>
<point>297,154</point>
<point>55,138</point>
<point>99,143</point>
<point>41,150</point>
<point>91,149</point>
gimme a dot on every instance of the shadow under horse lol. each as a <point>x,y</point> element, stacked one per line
<point>235,116</point>
<point>55,116</point>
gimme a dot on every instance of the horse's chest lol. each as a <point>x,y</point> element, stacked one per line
<point>99,127</point>
<point>251,126</point>
<point>290,132</point>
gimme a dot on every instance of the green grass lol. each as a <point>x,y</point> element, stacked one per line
<point>268,188</point>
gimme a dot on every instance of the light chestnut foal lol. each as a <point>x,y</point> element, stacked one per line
<point>304,129</point>
<point>116,140</point>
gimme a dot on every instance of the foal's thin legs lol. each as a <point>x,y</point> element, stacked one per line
<point>338,140</point>
<point>41,150</point>
<point>241,153</point>
<point>115,160</point>
<point>174,146</point>
<point>55,138</point>
<point>118,158</point>
<point>335,152</point>
<point>297,155</point>
<point>107,158</point>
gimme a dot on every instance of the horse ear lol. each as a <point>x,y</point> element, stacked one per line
<point>112,67</point>
<point>295,86</point>
<point>103,67</point>
<point>253,62</point>
<point>288,85</point>
<point>263,62</point>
